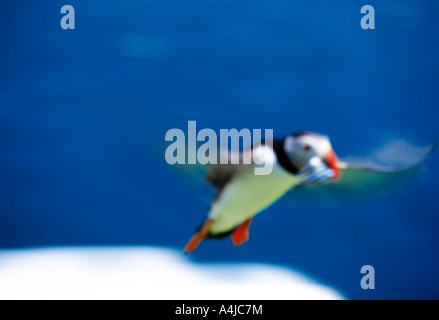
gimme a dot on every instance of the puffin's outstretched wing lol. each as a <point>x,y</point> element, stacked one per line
<point>215,174</point>
<point>387,171</point>
<point>218,174</point>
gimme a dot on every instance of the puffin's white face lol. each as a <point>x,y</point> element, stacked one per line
<point>300,148</point>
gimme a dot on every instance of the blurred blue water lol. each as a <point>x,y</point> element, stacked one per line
<point>83,114</point>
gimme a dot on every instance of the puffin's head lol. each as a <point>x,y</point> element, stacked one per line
<point>302,146</point>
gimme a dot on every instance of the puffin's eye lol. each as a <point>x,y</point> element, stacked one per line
<point>306,147</point>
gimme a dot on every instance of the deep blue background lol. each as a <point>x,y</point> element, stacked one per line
<point>83,114</point>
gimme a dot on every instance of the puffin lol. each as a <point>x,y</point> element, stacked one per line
<point>300,162</point>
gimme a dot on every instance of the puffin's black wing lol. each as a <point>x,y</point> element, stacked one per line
<point>218,174</point>
<point>385,172</point>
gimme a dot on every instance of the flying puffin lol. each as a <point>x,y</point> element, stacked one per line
<point>300,161</point>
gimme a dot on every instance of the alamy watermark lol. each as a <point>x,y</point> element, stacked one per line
<point>68,20</point>
<point>368,20</point>
<point>368,280</point>
<point>185,148</point>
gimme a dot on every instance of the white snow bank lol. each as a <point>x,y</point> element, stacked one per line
<point>144,273</point>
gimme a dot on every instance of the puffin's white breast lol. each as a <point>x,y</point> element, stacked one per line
<point>246,194</point>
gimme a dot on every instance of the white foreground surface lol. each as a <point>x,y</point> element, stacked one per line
<point>144,273</point>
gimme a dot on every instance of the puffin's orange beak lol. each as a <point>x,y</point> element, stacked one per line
<point>332,162</point>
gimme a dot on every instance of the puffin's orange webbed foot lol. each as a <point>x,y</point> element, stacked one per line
<point>240,235</point>
<point>198,237</point>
